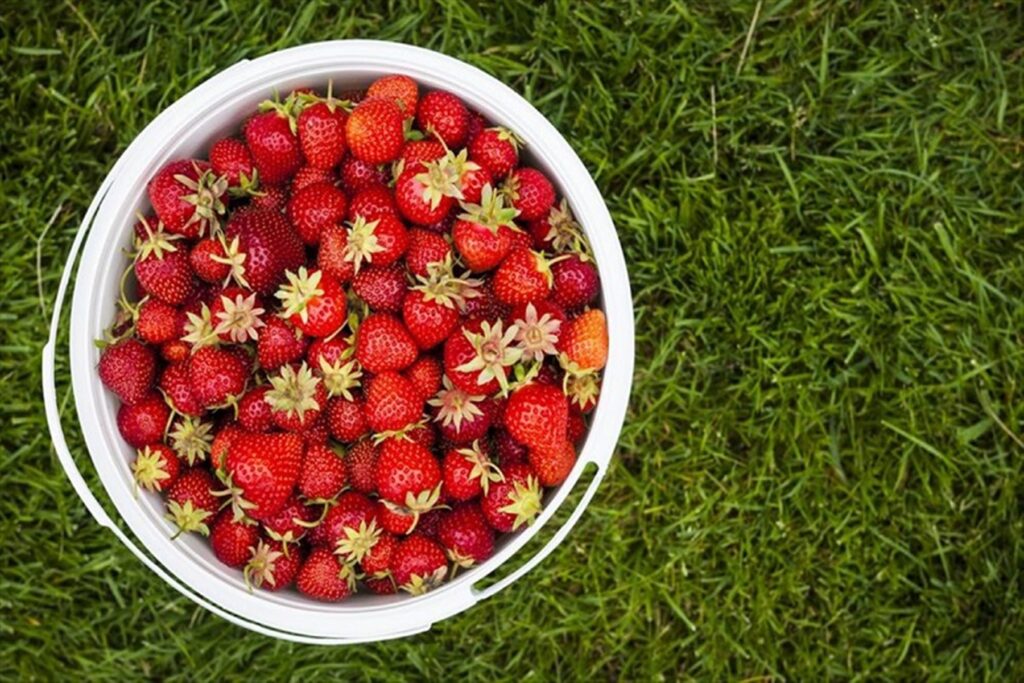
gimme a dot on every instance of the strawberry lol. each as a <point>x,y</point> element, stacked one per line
<point>510,451</point>
<point>482,235</point>
<point>383,343</point>
<point>269,567</point>
<point>231,160</point>
<point>328,351</point>
<point>270,198</point>
<point>392,403</point>
<point>191,439</point>
<point>332,360</point>
<point>144,421</point>
<point>254,413</point>
<point>381,241</point>
<point>425,374</point>
<point>553,463</point>
<point>350,527</point>
<point>314,207</point>
<point>522,277</point>
<point>279,343</point>
<point>558,231</point>
<point>462,415</point>
<point>186,197</point>
<point>321,130</point>
<point>323,577</point>
<point>396,520</point>
<point>468,473</point>
<point>361,462</point>
<point>372,203</point>
<point>538,327</point>
<point>323,473</point>
<point>232,541</point>
<point>444,115</point>
<point>159,322</point>
<point>375,562</point>
<point>585,341</point>
<point>273,144</point>
<point>425,248</point>
<point>497,150</point>
<point>261,471</point>
<point>163,270</point>
<point>396,87</point>
<point>582,388</point>
<point>309,175</point>
<point>127,368</point>
<point>531,193</point>
<point>425,192</point>
<point>217,376</point>
<point>269,245</point>
<point>357,175</point>
<point>375,131</point>
<point>416,151</point>
<point>176,386</point>
<point>313,302</point>
<point>575,282</point>
<point>511,503</point>
<point>209,260</point>
<point>418,565</point>
<point>422,433</point>
<point>382,288</point>
<point>346,420</point>
<point>537,415</point>
<point>155,467</point>
<point>175,350</point>
<point>236,315</point>
<point>407,475</point>
<point>333,256</point>
<point>191,503</point>
<point>465,535</point>
<point>296,399</point>
<point>430,317</point>
<point>477,356</point>
<point>222,444</point>
<point>472,181</point>
<point>290,523</point>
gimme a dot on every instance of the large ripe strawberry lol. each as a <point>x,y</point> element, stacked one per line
<point>468,473</point>
<point>296,399</point>
<point>463,417</point>
<point>273,143</point>
<point>522,277</point>
<point>357,175</point>
<point>408,475</point>
<point>127,368</point>
<point>553,463</point>
<point>392,403</point>
<point>323,473</point>
<point>254,413</point>
<point>346,419</point>
<point>314,207</point>
<point>399,88</point>
<point>361,463</point>
<point>163,270</point>
<point>530,192</point>
<point>176,386</point>
<point>280,342</point>
<point>323,577</point>
<point>218,376</point>
<point>291,522</point>
<point>483,233</point>
<point>418,564</point>
<point>478,355</point>
<point>575,282</point>
<point>270,246</point>
<point>538,328</point>
<point>466,536</point>
<point>426,192</point>
<point>444,115</point>
<point>232,540</point>
<point>430,315</point>
<point>321,130</point>
<point>269,567</point>
<point>350,526</point>
<point>497,150</point>
<point>156,467</point>
<point>537,415</point>
<point>374,130</point>
<point>372,203</point>
<point>262,470</point>
<point>159,322</point>
<point>382,288</point>
<point>426,374</point>
<point>186,196</point>
<point>516,501</point>
<point>144,421</point>
<point>425,249</point>
<point>383,343</point>
<point>231,160</point>
<point>313,302</point>
<point>191,503</point>
<point>584,342</point>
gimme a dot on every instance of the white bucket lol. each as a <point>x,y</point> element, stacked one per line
<point>186,129</point>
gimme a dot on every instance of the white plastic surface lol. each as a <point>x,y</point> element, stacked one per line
<point>187,128</point>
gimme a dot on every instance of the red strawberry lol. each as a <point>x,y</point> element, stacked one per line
<point>463,418</point>
<point>221,444</point>
<point>279,343</point>
<point>345,419</point>
<point>380,242</point>
<point>350,527</point>
<point>408,475</point>
<point>217,376</point>
<point>191,439</point>
<point>291,522</point>
<point>372,203</point>
<point>297,398</point>
<point>186,197</point>
<point>361,461</point>
<point>176,386</point>
<point>314,207</point>
<point>159,322</point>
<point>309,175</point>
<point>163,270</point>
<point>585,341</point>
<point>575,282</point>
<point>333,360</point>
<point>375,562</point>
<point>275,149</point>
<point>263,468</point>
<point>510,451</point>
<point>323,473</point>
<point>553,463</point>
<point>483,234</point>
<point>538,327</point>
<point>496,149</point>
<point>156,467</point>
<point>313,302</point>
<point>175,350</point>
<point>511,503</point>
<point>444,115</point>
<point>392,403</point>
<point>472,181</point>
<point>396,520</point>
<point>477,356</point>
<point>425,248</point>
<point>429,316</point>
<point>582,388</point>
<point>382,288</point>
<point>466,536</point>
<point>523,276</point>
<point>558,231</point>
<point>269,567</point>
<point>144,422</point>
<point>236,315</point>
<point>270,198</point>
<point>209,261</point>
<point>531,193</point>
<point>398,88</point>
<point>127,368</point>
<point>375,131</point>
<point>468,473</point>
<point>422,433</point>
<point>383,343</point>
<point>191,504</point>
<point>357,175</point>
<point>254,413</point>
<point>321,128</point>
<point>418,565</point>
<point>323,577</point>
<point>425,374</point>
<point>415,151</point>
<point>425,192</point>
<point>230,159</point>
<point>270,247</point>
<point>232,541</point>
<point>334,256</point>
<point>537,415</point>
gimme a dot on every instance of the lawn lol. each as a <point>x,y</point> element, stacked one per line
<point>820,204</point>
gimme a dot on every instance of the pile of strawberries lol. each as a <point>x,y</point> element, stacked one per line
<point>362,344</point>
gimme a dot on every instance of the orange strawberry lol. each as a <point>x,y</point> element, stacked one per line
<point>584,341</point>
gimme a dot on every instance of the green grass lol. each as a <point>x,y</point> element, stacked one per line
<point>820,475</point>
